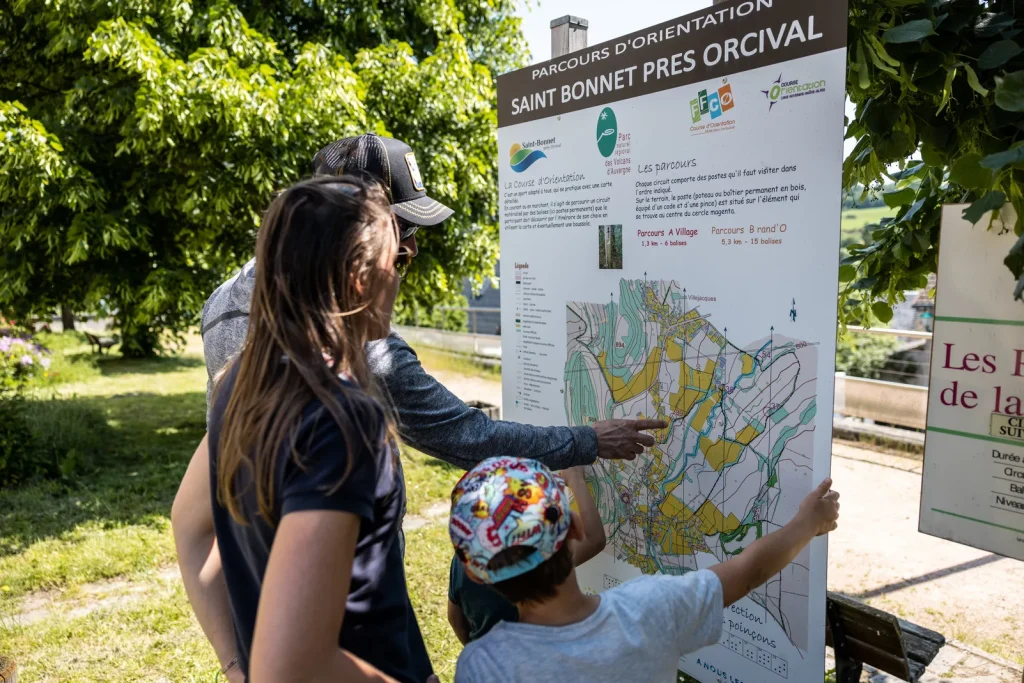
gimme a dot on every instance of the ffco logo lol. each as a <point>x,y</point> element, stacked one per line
<point>714,103</point>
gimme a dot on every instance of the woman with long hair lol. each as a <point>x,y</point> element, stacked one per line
<point>307,495</point>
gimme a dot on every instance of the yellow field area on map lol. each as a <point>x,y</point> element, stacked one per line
<point>640,382</point>
<point>705,410</point>
<point>692,385</point>
<point>727,451</point>
<point>748,363</point>
<point>684,530</point>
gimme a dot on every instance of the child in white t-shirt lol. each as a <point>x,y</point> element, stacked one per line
<point>511,526</point>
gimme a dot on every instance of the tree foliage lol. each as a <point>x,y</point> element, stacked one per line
<point>140,139</point>
<point>864,356</point>
<point>939,92</point>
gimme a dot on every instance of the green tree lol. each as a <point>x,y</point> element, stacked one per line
<point>863,355</point>
<point>140,139</point>
<point>941,81</point>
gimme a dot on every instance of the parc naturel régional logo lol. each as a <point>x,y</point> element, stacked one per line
<point>522,158</point>
<point>714,103</point>
<point>607,132</point>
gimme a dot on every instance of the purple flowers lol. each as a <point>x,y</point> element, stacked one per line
<point>21,360</point>
<point>7,343</point>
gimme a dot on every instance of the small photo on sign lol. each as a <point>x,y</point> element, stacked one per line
<point>609,247</point>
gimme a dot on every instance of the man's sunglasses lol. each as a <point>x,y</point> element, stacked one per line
<point>405,229</point>
<point>403,261</point>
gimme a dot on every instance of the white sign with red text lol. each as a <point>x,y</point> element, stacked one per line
<point>973,485</point>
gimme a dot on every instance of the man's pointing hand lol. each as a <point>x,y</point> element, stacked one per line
<point>624,439</point>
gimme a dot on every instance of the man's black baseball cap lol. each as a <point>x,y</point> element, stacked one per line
<point>390,161</point>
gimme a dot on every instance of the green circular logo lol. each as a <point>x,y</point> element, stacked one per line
<point>776,91</point>
<point>607,132</point>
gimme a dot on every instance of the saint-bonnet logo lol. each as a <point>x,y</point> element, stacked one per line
<point>607,132</point>
<point>522,158</point>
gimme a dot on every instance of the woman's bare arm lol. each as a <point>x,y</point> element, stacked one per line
<point>199,558</point>
<point>302,602</point>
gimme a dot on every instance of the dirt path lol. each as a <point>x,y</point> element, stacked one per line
<point>470,388</point>
<point>90,597</point>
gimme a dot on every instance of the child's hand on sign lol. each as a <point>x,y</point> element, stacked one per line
<point>821,508</point>
<point>582,504</point>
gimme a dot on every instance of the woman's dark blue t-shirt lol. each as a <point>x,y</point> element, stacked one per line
<point>379,625</point>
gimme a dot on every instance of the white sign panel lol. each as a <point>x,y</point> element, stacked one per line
<point>973,486</point>
<point>670,211</point>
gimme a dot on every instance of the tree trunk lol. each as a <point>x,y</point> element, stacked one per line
<point>138,339</point>
<point>67,318</point>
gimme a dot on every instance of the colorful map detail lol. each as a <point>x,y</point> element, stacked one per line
<point>734,463</point>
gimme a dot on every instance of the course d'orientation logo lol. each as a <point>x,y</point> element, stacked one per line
<point>522,158</point>
<point>787,90</point>
<point>607,132</point>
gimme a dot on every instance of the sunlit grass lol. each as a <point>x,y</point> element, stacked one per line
<point>60,542</point>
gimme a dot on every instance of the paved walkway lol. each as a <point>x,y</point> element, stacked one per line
<point>877,555</point>
<point>972,597</point>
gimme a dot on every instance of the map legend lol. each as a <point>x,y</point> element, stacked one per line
<point>532,350</point>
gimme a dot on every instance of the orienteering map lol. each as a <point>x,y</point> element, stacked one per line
<point>735,461</point>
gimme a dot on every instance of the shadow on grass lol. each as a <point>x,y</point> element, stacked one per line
<point>133,483</point>
<point>112,366</point>
<point>430,461</point>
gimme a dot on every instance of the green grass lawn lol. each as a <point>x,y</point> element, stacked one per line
<point>854,224</point>
<point>88,590</point>
<point>439,361</point>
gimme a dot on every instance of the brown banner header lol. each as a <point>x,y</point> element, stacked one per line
<point>719,41</point>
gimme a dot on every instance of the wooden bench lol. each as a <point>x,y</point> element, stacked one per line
<point>8,670</point>
<point>489,409</point>
<point>101,343</point>
<point>860,634</point>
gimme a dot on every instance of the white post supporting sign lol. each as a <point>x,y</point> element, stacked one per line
<point>670,213</point>
<point>973,484</point>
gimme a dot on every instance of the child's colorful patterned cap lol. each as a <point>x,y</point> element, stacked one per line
<point>506,502</point>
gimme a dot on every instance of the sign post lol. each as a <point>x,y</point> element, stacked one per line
<point>972,489</point>
<point>670,233</point>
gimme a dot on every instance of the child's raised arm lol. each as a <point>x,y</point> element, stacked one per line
<point>593,531</point>
<point>769,555</point>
